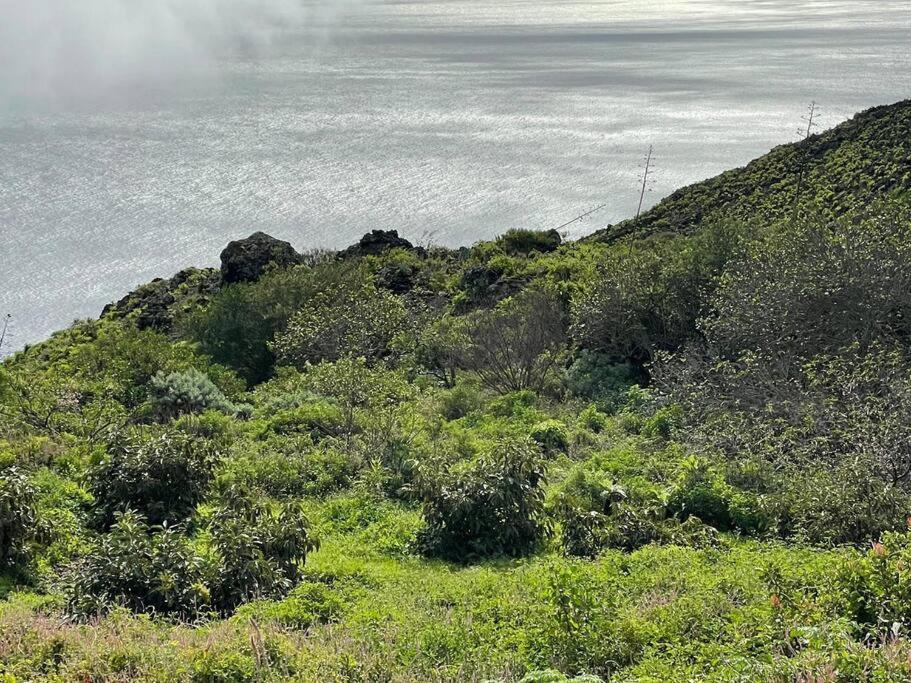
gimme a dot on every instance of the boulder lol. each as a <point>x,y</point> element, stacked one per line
<point>376,242</point>
<point>245,260</point>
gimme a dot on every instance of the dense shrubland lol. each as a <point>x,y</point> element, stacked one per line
<point>677,457</point>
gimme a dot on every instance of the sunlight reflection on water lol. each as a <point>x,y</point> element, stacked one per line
<point>458,119</point>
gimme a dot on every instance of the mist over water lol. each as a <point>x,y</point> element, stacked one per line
<point>138,137</point>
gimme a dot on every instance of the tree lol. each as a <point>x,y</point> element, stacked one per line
<point>516,345</point>
<point>17,515</point>
<point>648,299</point>
<point>261,548</point>
<point>441,348</point>
<point>241,321</point>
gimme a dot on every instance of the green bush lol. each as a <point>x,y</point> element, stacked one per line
<point>524,242</point>
<point>593,419</point>
<point>461,400</point>
<point>841,504</point>
<point>551,435</point>
<point>702,492</point>
<point>308,604</point>
<point>260,547</point>
<point>187,392</point>
<point>142,568</point>
<point>599,377</point>
<point>350,318</point>
<point>287,468</point>
<point>18,518</point>
<point>493,507</point>
<point>873,590</point>
<point>318,419</point>
<point>161,476</point>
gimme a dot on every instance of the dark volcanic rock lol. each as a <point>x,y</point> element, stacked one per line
<point>245,260</point>
<point>376,242</point>
<point>154,305</point>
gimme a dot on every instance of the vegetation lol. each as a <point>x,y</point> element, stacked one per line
<point>680,455</point>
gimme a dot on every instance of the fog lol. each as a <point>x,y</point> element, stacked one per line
<point>53,51</point>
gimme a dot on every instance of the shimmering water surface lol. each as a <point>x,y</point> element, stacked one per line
<point>448,120</point>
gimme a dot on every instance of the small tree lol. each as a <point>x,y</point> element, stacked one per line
<point>517,345</point>
<point>351,318</point>
<point>142,568</point>
<point>261,548</point>
<point>441,348</point>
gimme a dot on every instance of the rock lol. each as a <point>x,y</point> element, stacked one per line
<point>376,242</point>
<point>245,260</point>
<point>154,305</point>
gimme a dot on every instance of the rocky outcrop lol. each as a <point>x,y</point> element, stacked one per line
<point>376,242</point>
<point>156,304</point>
<point>245,260</point>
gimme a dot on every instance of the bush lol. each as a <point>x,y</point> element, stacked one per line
<point>188,392</point>
<point>598,377</point>
<point>161,476</point>
<point>318,419</point>
<point>517,345</point>
<point>261,548</point>
<point>702,492</point>
<point>461,400</point>
<point>351,318</point>
<point>308,604</point>
<point>873,590</point>
<point>841,504</point>
<point>493,507</point>
<point>285,468</point>
<point>551,435</point>
<point>17,516</point>
<point>593,419</point>
<point>141,568</point>
<point>524,242</point>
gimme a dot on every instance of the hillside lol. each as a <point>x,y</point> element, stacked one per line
<point>678,457</point>
<point>848,166</point>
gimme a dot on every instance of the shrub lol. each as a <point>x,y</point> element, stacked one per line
<point>318,419</point>
<point>287,468</point>
<point>873,589</point>
<point>551,435</point>
<point>493,507</point>
<point>308,604</point>
<point>593,419</point>
<point>702,492</point>
<point>517,345</point>
<point>188,392</point>
<point>350,318</point>
<point>241,320</point>
<point>141,568</point>
<point>161,476</point>
<point>841,504</point>
<point>599,377</point>
<point>461,400</point>
<point>523,242</point>
<point>17,515</point>
<point>261,547</point>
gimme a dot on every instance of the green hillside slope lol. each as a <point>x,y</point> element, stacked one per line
<point>859,160</point>
<point>678,457</point>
